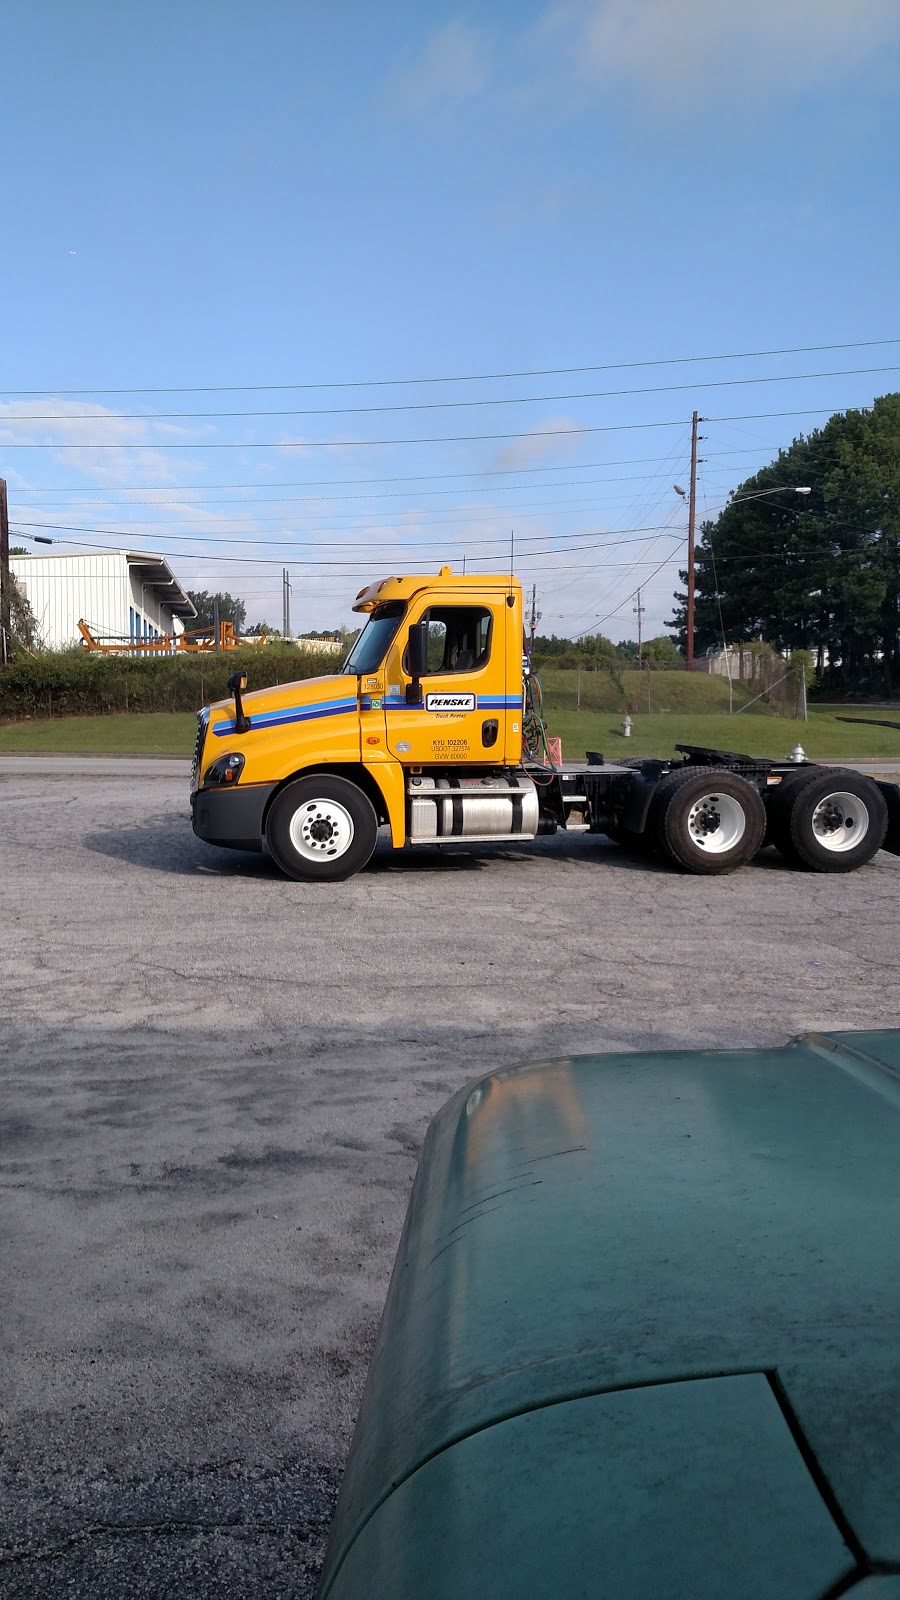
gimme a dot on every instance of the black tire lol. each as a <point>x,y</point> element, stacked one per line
<point>321,829</point>
<point>778,800</point>
<point>684,813</point>
<point>779,804</point>
<point>833,820</point>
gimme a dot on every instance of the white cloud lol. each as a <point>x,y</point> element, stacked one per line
<point>311,450</point>
<point>558,438</point>
<point>678,50</point>
<point>453,66</point>
<point>80,424</point>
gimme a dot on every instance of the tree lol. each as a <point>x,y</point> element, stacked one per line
<point>661,649</point>
<point>230,609</point>
<point>22,623</point>
<point>552,646</point>
<point>821,573</point>
<point>595,647</point>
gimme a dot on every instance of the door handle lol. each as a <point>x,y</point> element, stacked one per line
<point>489,731</point>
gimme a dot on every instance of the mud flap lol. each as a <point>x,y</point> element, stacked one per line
<point>891,792</point>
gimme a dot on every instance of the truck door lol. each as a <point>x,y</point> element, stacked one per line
<point>460,717</point>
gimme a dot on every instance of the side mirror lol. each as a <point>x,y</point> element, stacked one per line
<point>417,660</point>
<point>236,683</point>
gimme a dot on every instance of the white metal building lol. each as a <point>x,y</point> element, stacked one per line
<point>120,594</point>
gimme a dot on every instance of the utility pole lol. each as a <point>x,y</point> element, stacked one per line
<point>5,577</point>
<point>692,513</point>
<point>217,631</point>
<point>639,612</point>
<point>285,603</point>
<point>535,616</point>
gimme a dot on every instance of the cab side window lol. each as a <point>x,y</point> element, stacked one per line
<point>459,638</point>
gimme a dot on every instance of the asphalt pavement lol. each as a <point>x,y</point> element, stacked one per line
<point>216,1084</point>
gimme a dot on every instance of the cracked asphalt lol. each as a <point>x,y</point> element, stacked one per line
<point>215,1086</point>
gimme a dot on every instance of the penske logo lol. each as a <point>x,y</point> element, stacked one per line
<point>449,702</point>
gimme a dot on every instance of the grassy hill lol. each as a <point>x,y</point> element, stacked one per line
<point>651,692</point>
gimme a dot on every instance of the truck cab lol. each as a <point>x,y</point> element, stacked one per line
<point>425,712</point>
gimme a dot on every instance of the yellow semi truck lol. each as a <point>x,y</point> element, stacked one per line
<point>430,729</point>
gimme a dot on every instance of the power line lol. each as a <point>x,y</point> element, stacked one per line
<point>598,621</point>
<point>469,377</point>
<point>448,438</point>
<point>398,517</point>
<point>355,565</point>
<point>249,506</point>
<point>428,477</point>
<point>447,405</point>
<point>316,541</point>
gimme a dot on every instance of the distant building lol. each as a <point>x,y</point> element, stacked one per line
<point>724,663</point>
<point>120,594</point>
<point>326,643</point>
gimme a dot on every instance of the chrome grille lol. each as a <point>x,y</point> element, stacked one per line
<point>202,723</point>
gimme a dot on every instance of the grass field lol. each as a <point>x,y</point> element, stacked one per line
<point>641,691</point>
<point>157,733</point>
<point>822,737</point>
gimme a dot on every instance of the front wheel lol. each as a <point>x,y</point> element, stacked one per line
<point>708,820</point>
<point>321,829</point>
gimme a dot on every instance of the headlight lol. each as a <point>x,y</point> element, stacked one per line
<point>226,770</point>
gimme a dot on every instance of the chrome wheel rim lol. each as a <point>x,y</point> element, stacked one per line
<point>716,823</point>
<point>840,822</point>
<point>321,830</point>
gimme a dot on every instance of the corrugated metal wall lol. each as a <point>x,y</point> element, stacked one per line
<point>103,589</point>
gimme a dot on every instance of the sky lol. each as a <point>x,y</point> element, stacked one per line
<point>359,289</point>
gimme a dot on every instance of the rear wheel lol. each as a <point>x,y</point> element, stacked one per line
<point>779,800</point>
<point>833,821</point>
<point>321,829</point>
<point>707,821</point>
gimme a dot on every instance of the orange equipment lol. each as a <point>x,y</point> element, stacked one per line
<point>166,644</point>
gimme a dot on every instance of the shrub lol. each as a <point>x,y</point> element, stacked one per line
<point>81,683</point>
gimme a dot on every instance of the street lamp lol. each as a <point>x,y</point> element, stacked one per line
<point>780,488</point>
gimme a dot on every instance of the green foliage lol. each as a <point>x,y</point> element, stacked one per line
<point>230,609</point>
<point>79,682</point>
<point>821,573</point>
<point>803,661</point>
<point>627,649</point>
<point>22,624</point>
<point>546,648</point>
<point>662,649</point>
<point>595,647</point>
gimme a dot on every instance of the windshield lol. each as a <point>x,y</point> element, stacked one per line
<point>370,648</point>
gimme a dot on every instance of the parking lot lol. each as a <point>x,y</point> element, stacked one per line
<point>216,1084</point>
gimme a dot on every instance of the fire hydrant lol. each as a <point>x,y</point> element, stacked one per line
<point>798,754</point>
<point>627,727</point>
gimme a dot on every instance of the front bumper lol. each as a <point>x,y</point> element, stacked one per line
<point>233,817</point>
